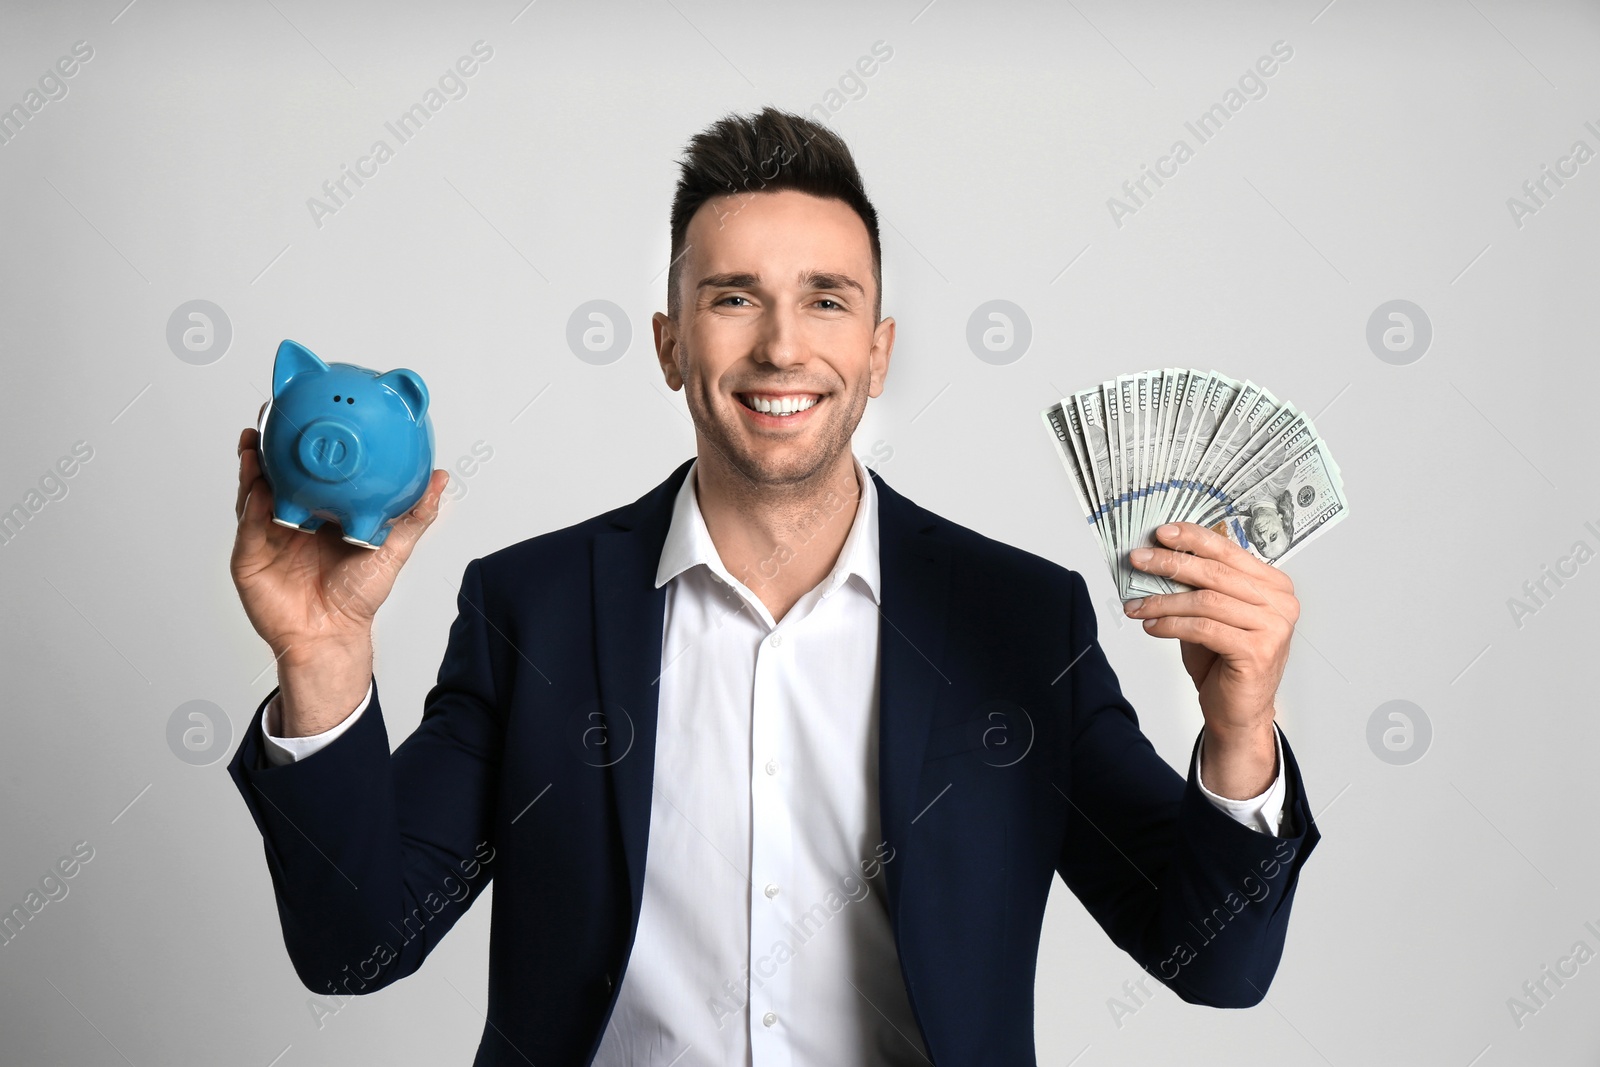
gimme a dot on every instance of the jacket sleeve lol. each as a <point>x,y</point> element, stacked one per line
<point>374,857</point>
<point>1197,899</point>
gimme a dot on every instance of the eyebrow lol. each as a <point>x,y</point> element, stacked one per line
<point>816,279</point>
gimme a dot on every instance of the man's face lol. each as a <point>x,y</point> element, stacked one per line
<point>1267,532</point>
<point>776,314</point>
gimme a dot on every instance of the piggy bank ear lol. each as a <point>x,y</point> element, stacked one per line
<point>409,385</point>
<point>294,360</point>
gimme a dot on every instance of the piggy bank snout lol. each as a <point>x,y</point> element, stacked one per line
<point>330,450</point>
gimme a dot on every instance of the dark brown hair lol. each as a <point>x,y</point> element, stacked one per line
<point>763,153</point>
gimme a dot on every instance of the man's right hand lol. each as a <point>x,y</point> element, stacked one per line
<point>312,597</point>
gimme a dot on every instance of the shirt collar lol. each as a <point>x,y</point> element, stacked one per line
<point>689,542</point>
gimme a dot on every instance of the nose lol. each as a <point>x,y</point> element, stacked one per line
<point>331,451</point>
<point>779,343</point>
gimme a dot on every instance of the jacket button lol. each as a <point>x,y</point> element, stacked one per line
<point>609,984</point>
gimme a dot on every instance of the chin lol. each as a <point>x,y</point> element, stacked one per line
<point>785,464</point>
<point>787,467</point>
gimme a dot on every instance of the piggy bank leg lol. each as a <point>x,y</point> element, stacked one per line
<point>368,531</point>
<point>294,516</point>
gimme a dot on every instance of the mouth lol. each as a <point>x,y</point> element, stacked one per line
<point>776,408</point>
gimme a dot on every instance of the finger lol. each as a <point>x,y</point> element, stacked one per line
<point>1202,603</point>
<point>1200,571</point>
<point>1208,543</point>
<point>409,528</point>
<point>1219,637</point>
<point>249,472</point>
<point>255,519</point>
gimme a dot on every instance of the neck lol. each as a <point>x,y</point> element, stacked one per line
<point>779,540</point>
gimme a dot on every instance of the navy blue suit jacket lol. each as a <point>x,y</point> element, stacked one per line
<point>533,763</point>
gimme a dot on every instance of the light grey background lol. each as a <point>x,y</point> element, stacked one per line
<point>1377,167</point>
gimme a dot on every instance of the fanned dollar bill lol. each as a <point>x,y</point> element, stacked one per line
<point>1183,445</point>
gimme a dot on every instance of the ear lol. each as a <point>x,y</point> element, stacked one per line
<point>409,385</point>
<point>878,357</point>
<point>294,359</point>
<point>666,334</point>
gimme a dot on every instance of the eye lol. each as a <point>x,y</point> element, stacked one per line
<point>731,296</point>
<point>831,300</point>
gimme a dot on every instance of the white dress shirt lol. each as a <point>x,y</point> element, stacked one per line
<point>764,938</point>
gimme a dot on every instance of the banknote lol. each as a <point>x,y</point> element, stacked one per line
<point>1187,445</point>
<point>1274,518</point>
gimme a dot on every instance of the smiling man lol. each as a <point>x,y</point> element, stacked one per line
<point>770,766</point>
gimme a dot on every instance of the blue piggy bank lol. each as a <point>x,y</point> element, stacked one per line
<point>344,443</point>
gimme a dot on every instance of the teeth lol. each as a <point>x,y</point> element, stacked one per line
<point>787,405</point>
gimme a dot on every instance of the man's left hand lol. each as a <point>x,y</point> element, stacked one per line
<point>1233,629</point>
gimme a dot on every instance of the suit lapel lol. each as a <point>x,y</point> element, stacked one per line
<point>915,568</point>
<point>628,615</point>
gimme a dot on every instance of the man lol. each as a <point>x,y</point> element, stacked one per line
<point>771,765</point>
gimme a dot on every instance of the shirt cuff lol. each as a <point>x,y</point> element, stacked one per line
<point>1263,813</point>
<point>282,750</point>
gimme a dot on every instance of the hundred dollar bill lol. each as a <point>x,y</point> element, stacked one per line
<point>1112,410</point>
<point>1116,422</point>
<point>1225,442</point>
<point>1254,409</point>
<point>1142,455</point>
<point>1066,429</point>
<point>1055,417</point>
<point>1172,385</point>
<point>1090,405</point>
<point>1218,400</point>
<point>1277,516</point>
<point>1153,481</point>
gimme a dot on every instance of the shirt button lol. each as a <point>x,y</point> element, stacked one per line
<point>772,766</point>
<point>769,1018</point>
<point>775,640</point>
<point>771,890</point>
